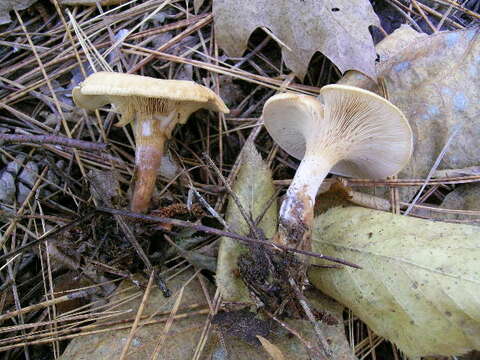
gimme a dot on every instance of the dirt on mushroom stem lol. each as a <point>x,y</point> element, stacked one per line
<point>296,212</point>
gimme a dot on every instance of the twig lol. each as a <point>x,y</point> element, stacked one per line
<point>138,317</point>
<point>434,167</point>
<point>395,182</point>
<point>246,216</point>
<point>52,139</point>
<point>75,295</point>
<point>210,230</point>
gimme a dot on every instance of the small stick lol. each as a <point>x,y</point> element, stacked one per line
<point>469,171</point>
<point>246,216</point>
<point>138,317</point>
<point>52,139</point>
<point>210,230</point>
<point>47,236</point>
<point>75,295</point>
<point>322,343</point>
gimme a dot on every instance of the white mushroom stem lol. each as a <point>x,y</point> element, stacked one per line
<point>296,212</point>
<point>150,136</point>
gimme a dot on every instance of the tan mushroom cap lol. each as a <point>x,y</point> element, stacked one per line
<point>103,88</point>
<point>364,134</point>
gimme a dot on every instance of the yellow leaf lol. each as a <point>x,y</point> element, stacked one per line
<point>272,350</point>
<point>254,188</point>
<point>419,284</point>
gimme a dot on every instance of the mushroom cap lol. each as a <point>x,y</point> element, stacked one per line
<point>362,133</point>
<point>102,87</point>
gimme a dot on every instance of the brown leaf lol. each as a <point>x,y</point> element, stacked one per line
<point>181,339</point>
<point>8,5</point>
<point>337,195</point>
<point>338,29</point>
<point>104,186</point>
<point>272,350</point>
<point>186,332</point>
<point>434,80</point>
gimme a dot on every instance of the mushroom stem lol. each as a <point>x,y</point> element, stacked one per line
<point>150,136</point>
<point>296,212</point>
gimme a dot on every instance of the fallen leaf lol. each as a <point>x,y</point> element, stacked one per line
<point>419,282</point>
<point>109,345</point>
<point>7,188</point>
<point>397,42</point>
<point>337,195</point>
<point>254,188</point>
<point>104,186</point>
<point>434,80</point>
<point>185,333</point>
<point>200,261</point>
<point>338,29</point>
<point>272,350</point>
<point>465,197</point>
<point>8,5</point>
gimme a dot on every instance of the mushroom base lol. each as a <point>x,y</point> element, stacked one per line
<point>296,212</point>
<point>148,159</point>
<point>296,216</point>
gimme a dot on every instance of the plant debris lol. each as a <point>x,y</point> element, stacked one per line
<point>76,265</point>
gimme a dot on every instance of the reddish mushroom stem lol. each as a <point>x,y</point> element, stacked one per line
<point>147,163</point>
<point>150,137</point>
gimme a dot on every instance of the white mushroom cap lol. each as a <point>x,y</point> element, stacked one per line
<point>364,134</point>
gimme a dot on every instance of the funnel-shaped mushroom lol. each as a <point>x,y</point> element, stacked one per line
<point>154,107</point>
<point>351,132</point>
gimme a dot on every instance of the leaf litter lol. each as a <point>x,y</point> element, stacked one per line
<point>432,79</point>
<point>54,233</point>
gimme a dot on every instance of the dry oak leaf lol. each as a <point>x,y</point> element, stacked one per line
<point>8,5</point>
<point>338,29</point>
<point>419,284</point>
<point>434,80</point>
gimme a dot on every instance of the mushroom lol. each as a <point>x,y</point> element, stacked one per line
<point>153,107</point>
<point>349,132</point>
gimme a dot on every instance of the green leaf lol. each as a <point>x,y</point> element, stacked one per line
<point>254,188</point>
<point>419,285</point>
